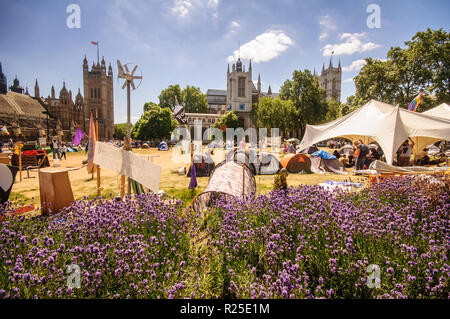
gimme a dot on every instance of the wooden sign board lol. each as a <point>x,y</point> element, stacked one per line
<point>55,190</point>
<point>128,164</point>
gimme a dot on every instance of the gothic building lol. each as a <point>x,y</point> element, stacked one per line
<point>20,112</point>
<point>240,94</point>
<point>330,79</point>
<point>99,97</point>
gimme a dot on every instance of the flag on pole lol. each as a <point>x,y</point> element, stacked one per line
<point>414,103</point>
<point>91,147</point>
<point>94,43</point>
<point>193,182</point>
<point>78,136</point>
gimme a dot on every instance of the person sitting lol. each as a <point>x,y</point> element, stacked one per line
<point>404,153</point>
<point>336,153</point>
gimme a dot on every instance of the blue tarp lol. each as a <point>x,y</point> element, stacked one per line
<point>324,155</point>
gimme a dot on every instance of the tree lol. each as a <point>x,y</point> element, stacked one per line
<point>334,110</point>
<point>193,100</point>
<point>307,96</point>
<point>120,131</point>
<point>156,122</point>
<point>423,65</point>
<point>167,96</point>
<point>149,105</point>
<point>230,120</point>
<point>271,113</point>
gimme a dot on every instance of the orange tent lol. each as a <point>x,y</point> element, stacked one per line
<point>295,163</point>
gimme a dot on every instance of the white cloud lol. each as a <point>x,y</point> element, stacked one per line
<point>264,47</point>
<point>348,80</point>
<point>356,65</point>
<point>326,25</point>
<point>235,24</point>
<point>182,8</point>
<point>352,43</point>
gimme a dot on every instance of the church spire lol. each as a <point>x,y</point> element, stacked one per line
<point>339,66</point>
<point>259,83</point>
<point>269,91</point>
<point>36,89</point>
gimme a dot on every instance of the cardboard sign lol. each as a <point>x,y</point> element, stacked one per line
<point>179,114</point>
<point>128,164</point>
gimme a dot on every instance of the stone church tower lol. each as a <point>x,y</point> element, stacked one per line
<point>241,91</point>
<point>99,98</point>
<point>330,79</point>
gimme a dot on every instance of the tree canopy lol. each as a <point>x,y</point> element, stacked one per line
<point>120,131</point>
<point>191,98</point>
<point>230,120</point>
<point>305,93</point>
<point>156,122</point>
<point>270,113</point>
<point>422,65</point>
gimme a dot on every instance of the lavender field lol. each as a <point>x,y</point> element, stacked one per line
<point>302,243</point>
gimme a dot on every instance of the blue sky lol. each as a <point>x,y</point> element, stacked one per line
<point>190,42</point>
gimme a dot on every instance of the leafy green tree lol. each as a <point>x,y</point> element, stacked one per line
<point>422,65</point>
<point>230,120</point>
<point>304,91</point>
<point>167,96</point>
<point>120,130</point>
<point>334,110</point>
<point>270,113</point>
<point>156,122</point>
<point>149,105</point>
<point>193,100</point>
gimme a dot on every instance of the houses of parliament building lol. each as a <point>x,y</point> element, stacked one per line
<point>34,117</point>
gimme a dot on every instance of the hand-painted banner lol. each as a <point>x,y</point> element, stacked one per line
<point>128,164</point>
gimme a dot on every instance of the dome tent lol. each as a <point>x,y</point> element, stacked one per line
<point>295,163</point>
<point>267,164</point>
<point>249,158</point>
<point>163,146</point>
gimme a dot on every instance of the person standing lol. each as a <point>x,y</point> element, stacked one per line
<point>63,150</point>
<point>404,157</point>
<point>361,152</point>
<point>56,150</point>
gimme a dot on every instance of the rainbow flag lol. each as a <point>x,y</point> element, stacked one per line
<point>414,103</point>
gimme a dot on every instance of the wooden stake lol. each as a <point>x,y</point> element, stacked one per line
<point>98,181</point>
<point>243,179</point>
<point>122,186</point>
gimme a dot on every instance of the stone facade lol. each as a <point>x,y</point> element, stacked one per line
<point>99,97</point>
<point>330,79</point>
<point>240,94</point>
<point>65,113</point>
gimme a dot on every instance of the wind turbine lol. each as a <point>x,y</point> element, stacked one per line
<point>129,78</point>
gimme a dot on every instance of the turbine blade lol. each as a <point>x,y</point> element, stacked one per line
<point>119,67</point>
<point>132,85</point>
<point>137,77</point>
<point>134,69</point>
<point>126,68</point>
<point>124,85</point>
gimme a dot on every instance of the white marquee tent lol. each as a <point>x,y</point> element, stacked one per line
<point>383,123</point>
<point>442,110</point>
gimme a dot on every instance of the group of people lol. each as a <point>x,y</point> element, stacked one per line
<point>58,149</point>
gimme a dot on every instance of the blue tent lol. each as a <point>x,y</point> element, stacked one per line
<point>324,155</point>
<point>163,146</point>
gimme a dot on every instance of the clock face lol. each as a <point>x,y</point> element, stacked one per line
<point>242,107</point>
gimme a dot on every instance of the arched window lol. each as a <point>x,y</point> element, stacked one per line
<point>241,87</point>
